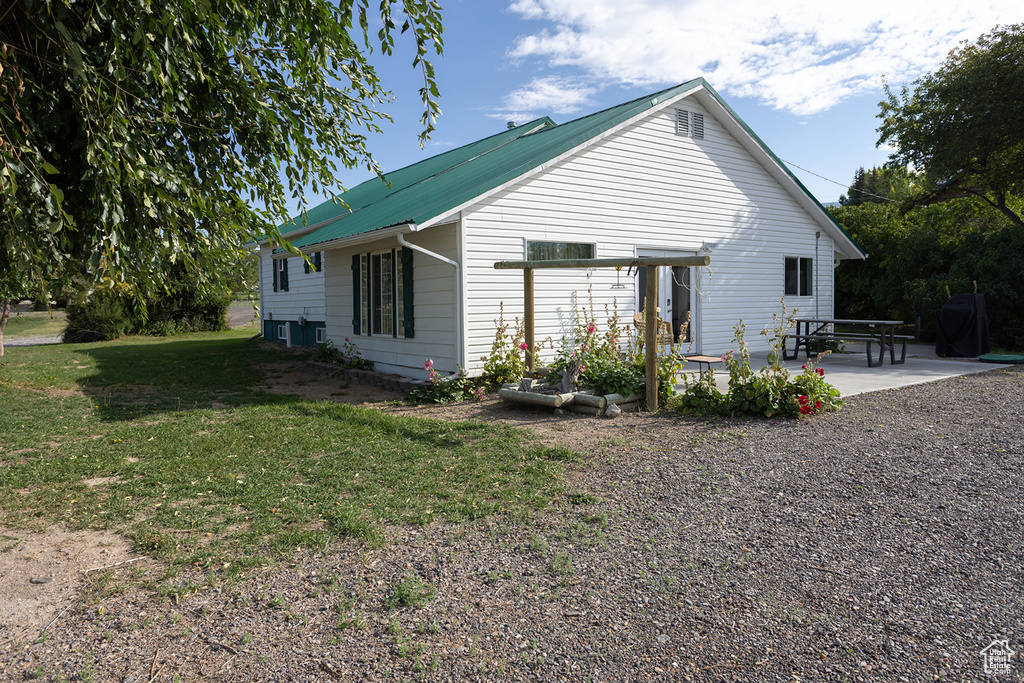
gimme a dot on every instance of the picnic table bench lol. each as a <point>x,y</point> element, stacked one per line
<point>812,333</point>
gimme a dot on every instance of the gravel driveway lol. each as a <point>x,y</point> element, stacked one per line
<point>882,542</point>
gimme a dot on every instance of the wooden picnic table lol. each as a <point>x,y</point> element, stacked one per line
<point>812,330</point>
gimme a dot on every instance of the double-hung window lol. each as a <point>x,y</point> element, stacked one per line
<point>382,301</point>
<point>799,276</point>
<point>280,268</point>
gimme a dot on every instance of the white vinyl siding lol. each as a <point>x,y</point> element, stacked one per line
<point>434,305</point>
<point>305,295</point>
<point>644,188</point>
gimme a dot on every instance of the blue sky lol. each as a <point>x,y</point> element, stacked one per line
<point>806,77</point>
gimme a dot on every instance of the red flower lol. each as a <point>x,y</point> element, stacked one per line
<point>802,400</point>
<point>817,405</point>
<point>804,367</point>
<point>821,371</point>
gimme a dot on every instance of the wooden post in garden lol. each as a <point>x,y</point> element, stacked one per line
<point>528,319</point>
<point>651,337</point>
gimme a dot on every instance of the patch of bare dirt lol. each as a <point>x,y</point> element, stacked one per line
<point>41,574</point>
<point>564,428</point>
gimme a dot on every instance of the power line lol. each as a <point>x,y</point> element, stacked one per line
<point>836,182</point>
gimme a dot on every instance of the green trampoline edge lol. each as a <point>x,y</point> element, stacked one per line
<point>1005,358</point>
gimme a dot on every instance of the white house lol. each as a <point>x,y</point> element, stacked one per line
<point>408,270</point>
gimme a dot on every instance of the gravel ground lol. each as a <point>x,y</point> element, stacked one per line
<point>882,542</point>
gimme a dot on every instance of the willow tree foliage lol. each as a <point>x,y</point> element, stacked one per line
<point>137,133</point>
<point>963,123</point>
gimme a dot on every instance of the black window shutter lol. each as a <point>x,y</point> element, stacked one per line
<point>305,266</point>
<point>318,261</point>
<point>273,269</point>
<point>356,307</point>
<point>394,294</point>
<point>284,275</point>
<point>408,317</point>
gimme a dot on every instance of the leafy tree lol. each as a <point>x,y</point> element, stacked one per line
<point>136,133</point>
<point>962,123</point>
<point>881,185</point>
<point>921,258</point>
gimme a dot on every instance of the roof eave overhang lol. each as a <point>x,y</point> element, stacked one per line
<point>352,240</point>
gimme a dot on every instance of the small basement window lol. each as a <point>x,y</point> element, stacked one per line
<point>321,335</point>
<point>282,331</point>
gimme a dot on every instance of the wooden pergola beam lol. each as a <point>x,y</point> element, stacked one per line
<point>650,310</point>
<point>606,262</point>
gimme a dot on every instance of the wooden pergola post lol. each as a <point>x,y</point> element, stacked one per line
<point>531,350</point>
<point>651,337</point>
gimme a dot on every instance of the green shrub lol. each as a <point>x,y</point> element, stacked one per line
<point>103,315</point>
<point>450,389</point>
<point>771,392</point>
<point>186,310</point>
<point>100,317</point>
<point>347,356</point>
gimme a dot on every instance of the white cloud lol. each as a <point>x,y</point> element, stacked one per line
<point>547,94</point>
<point>804,56</point>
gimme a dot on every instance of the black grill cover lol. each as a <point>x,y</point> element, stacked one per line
<point>963,327</point>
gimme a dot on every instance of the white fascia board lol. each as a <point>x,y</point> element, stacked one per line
<point>658,105</point>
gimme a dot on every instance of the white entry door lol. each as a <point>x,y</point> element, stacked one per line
<point>677,300</point>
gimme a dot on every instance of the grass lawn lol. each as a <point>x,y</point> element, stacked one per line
<point>35,324</point>
<point>170,442</point>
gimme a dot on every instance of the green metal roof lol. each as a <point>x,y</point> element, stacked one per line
<point>430,188</point>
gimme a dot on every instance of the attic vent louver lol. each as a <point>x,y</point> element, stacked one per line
<point>682,123</point>
<point>689,124</point>
<point>698,126</point>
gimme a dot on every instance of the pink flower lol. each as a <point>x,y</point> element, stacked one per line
<point>582,367</point>
<point>615,341</point>
<point>429,364</point>
<point>591,328</point>
<point>523,346</point>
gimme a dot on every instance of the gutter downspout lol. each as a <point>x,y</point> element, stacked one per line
<point>817,294</point>
<point>459,338</point>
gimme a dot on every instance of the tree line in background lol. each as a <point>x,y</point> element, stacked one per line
<point>918,259</point>
<point>953,224</point>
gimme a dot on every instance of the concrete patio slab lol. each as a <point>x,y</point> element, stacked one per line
<point>849,372</point>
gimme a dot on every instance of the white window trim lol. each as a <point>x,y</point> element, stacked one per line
<point>799,279</point>
<point>528,240</point>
